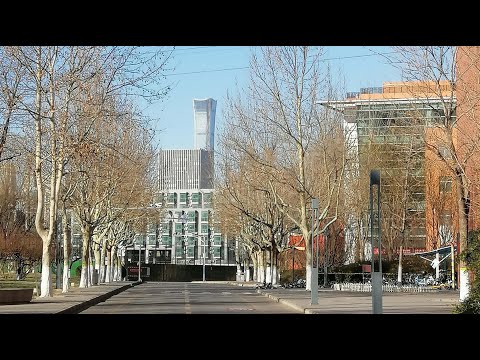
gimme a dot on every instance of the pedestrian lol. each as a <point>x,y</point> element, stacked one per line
<point>19,272</point>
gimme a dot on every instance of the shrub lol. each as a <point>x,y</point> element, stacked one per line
<point>471,256</point>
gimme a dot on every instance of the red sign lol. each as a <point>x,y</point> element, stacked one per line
<point>366,268</point>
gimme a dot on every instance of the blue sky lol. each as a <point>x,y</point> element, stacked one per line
<point>212,71</point>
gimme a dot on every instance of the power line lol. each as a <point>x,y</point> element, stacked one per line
<point>208,71</point>
<point>246,67</point>
<point>358,56</point>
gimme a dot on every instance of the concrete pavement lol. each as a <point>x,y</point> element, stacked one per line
<point>352,302</point>
<point>73,302</point>
<point>329,301</point>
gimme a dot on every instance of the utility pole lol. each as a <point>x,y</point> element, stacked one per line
<point>325,259</point>
<point>139,260</point>
<point>203,248</point>
<point>314,262</point>
<point>377,278</point>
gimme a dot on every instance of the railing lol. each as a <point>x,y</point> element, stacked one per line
<point>385,288</point>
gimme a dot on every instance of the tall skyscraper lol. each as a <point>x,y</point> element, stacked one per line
<point>204,123</point>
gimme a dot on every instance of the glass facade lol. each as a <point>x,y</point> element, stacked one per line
<point>391,137</point>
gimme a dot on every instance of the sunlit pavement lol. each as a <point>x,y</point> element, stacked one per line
<point>329,300</point>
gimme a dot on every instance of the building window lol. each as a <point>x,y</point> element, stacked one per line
<point>165,228</point>
<point>171,198</point>
<point>207,198</point>
<point>445,184</point>
<point>444,152</point>
<point>204,228</point>
<point>178,228</point>
<point>204,215</point>
<point>183,197</point>
<point>446,218</point>
<point>166,240</point>
<point>195,198</point>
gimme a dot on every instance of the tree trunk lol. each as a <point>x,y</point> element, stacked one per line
<point>109,266</point>
<point>66,253</point>
<point>102,268</point>
<point>46,287</point>
<point>399,273</point>
<point>463,198</point>
<point>85,278</point>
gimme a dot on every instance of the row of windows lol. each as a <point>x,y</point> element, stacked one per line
<point>171,198</point>
<point>408,107</point>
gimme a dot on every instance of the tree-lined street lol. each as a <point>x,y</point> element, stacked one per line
<point>226,298</point>
<point>189,298</point>
<point>84,181</point>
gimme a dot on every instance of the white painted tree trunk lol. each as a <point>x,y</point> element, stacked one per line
<point>102,268</point>
<point>115,268</point>
<point>117,275</point>
<point>399,272</point>
<point>239,271</point>
<point>308,274</point>
<point>464,284</point>
<point>46,287</point>
<point>85,277</point>
<point>255,267</point>
<point>66,252</point>
<point>109,272</point>
<point>66,272</point>
<point>97,264</point>
<point>247,274</point>
<point>275,275</point>
<point>261,273</point>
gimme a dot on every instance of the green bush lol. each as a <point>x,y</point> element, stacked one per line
<point>471,256</point>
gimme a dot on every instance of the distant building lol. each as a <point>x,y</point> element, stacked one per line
<point>185,184</point>
<point>204,123</point>
<point>185,169</point>
<point>186,232</point>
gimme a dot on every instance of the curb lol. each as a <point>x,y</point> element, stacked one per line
<point>78,308</point>
<point>285,302</point>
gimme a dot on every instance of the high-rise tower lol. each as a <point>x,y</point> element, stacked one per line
<point>204,123</point>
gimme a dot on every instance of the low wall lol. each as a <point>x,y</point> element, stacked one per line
<point>16,296</point>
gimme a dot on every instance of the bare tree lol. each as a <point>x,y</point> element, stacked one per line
<point>54,82</point>
<point>103,190</point>
<point>244,192</point>
<point>10,78</point>
<point>279,112</point>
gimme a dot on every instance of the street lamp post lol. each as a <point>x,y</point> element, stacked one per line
<point>314,265</point>
<point>139,260</point>
<point>325,258</point>
<point>293,263</point>
<point>203,248</point>
<point>376,275</point>
<point>185,250</point>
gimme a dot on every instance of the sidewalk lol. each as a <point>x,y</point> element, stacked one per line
<point>73,302</point>
<point>349,302</point>
<point>329,300</point>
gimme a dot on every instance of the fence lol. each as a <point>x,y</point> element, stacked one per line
<point>385,288</point>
